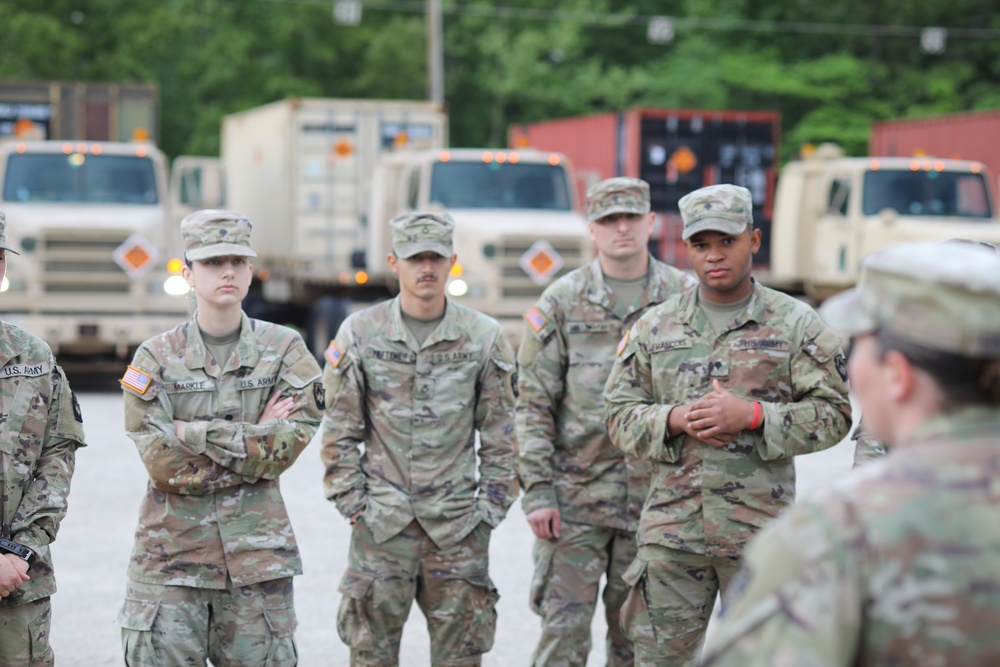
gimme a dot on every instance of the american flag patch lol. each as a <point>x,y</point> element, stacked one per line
<point>334,354</point>
<point>135,380</point>
<point>535,319</point>
<point>622,343</point>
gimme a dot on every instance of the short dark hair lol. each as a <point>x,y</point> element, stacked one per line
<point>964,381</point>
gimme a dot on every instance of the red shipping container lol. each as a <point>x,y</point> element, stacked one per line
<point>962,136</point>
<point>675,151</point>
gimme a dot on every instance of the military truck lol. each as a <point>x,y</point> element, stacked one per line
<point>831,210</point>
<point>321,178</point>
<point>86,196</point>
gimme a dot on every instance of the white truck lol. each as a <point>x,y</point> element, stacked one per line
<point>91,216</point>
<point>830,211</point>
<point>321,178</point>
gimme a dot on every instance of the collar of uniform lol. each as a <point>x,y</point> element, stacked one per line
<point>246,349</point>
<point>659,287</point>
<point>14,344</point>
<point>449,328</point>
<point>960,424</point>
<point>598,292</point>
<point>754,313</point>
<point>596,288</point>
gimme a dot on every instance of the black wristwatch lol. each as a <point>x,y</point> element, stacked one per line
<point>18,550</point>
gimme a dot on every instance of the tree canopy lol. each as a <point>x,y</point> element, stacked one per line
<point>830,69</point>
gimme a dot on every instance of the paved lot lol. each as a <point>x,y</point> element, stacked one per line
<point>95,541</point>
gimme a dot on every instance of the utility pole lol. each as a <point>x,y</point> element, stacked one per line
<point>435,53</point>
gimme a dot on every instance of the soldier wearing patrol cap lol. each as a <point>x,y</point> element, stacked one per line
<point>719,387</point>
<point>218,408</point>
<point>582,495</point>
<point>413,379</point>
<point>41,431</point>
<point>899,564</point>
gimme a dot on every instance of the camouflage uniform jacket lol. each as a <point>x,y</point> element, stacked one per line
<point>416,411</point>
<point>898,564</point>
<point>867,448</point>
<point>40,430</point>
<point>566,459</point>
<point>213,507</point>
<point>710,500</point>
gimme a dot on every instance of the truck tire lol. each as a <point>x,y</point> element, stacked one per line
<point>325,318</point>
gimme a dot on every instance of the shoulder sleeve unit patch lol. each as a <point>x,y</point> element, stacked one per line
<point>622,344</point>
<point>135,380</point>
<point>535,319</point>
<point>334,354</point>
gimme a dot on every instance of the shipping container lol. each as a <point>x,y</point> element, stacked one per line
<point>675,151</point>
<point>961,136</point>
<point>80,110</point>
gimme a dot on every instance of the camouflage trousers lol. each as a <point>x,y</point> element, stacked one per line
<point>670,602</point>
<point>233,627</point>
<point>564,591</point>
<point>451,586</point>
<point>24,635</point>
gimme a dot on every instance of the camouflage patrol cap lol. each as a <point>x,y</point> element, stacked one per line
<point>720,208</point>
<point>416,232</point>
<point>617,195</point>
<point>942,296</point>
<point>216,233</point>
<point>3,235</point>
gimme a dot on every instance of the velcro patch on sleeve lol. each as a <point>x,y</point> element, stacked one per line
<point>535,319</point>
<point>136,380</point>
<point>334,355</point>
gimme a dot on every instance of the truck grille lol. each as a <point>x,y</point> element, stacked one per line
<point>81,262</point>
<point>515,282</point>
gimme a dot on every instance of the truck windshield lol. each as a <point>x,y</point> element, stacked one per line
<point>457,184</point>
<point>55,177</point>
<point>926,193</point>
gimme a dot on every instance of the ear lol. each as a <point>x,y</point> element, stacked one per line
<point>590,230</point>
<point>451,262</point>
<point>188,276</point>
<point>755,236</point>
<point>392,259</point>
<point>900,376</point>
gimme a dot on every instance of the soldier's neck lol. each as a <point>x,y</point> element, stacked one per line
<point>422,309</point>
<point>625,269</point>
<point>219,321</point>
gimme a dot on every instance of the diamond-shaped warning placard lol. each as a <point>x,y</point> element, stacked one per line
<point>541,262</point>
<point>136,256</point>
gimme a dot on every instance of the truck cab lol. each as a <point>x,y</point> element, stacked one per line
<point>90,221</point>
<point>831,211</point>
<point>516,222</point>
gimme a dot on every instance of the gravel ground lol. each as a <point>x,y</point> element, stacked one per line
<point>95,541</point>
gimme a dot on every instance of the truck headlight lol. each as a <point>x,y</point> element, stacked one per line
<point>175,286</point>
<point>458,287</point>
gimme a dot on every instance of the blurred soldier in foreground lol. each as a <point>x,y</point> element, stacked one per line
<point>899,564</point>
<point>720,387</point>
<point>218,408</point>
<point>582,495</point>
<point>40,432</point>
<point>413,379</point>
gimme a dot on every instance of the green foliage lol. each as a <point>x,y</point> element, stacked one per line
<point>505,65</point>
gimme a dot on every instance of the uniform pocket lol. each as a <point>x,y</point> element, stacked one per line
<point>541,554</point>
<point>281,622</point>
<point>136,620</point>
<point>636,623</point>
<point>353,623</point>
<point>481,620</point>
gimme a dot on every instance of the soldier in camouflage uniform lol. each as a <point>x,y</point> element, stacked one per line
<point>40,431</point>
<point>898,564</point>
<point>719,387</point>
<point>412,380</point>
<point>218,408</point>
<point>867,446</point>
<point>582,495</point>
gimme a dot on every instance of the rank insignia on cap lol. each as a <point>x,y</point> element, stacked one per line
<point>622,343</point>
<point>135,380</point>
<point>334,354</point>
<point>535,319</point>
